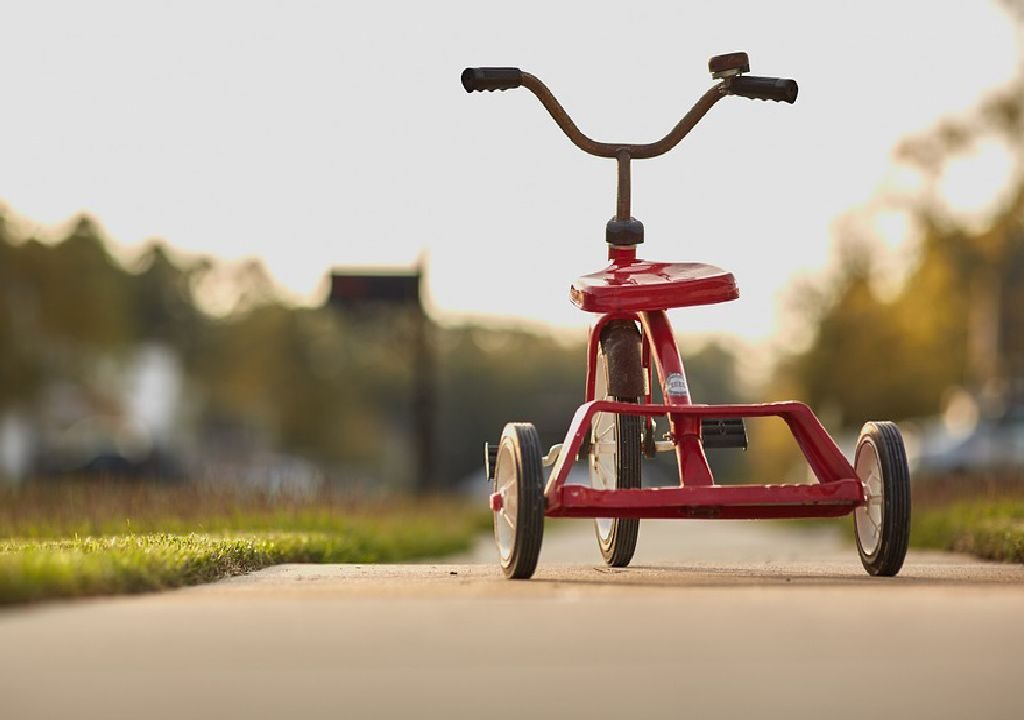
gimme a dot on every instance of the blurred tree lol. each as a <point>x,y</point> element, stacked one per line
<point>61,307</point>
<point>959,317</point>
<point>872,358</point>
<point>712,373</point>
<point>162,301</point>
<point>493,376</point>
<point>19,372</point>
<point>79,293</point>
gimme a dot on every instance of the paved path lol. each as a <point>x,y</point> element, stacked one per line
<point>715,620</point>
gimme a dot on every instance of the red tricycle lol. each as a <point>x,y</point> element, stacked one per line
<point>631,340</point>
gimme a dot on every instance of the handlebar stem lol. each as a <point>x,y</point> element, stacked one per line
<point>622,200</point>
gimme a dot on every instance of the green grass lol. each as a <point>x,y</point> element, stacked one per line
<point>77,540</point>
<point>989,528</point>
<point>37,570</point>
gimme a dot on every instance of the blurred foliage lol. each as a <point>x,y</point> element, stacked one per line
<point>489,378</point>
<point>874,358</point>
<point>989,528</point>
<point>331,386</point>
<point>956,321</point>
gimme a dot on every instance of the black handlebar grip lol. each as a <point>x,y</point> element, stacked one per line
<point>491,78</point>
<point>764,88</point>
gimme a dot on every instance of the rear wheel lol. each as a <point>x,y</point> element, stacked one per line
<point>519,515</point>
<point>882,525</point>
<point>615,447</point>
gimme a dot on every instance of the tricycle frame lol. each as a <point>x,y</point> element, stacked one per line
<point>837,492</point>
<point>632,291</point>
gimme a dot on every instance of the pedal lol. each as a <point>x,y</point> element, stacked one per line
<point>490,459</point>
<point>552,457</point>
<point>723,433</point>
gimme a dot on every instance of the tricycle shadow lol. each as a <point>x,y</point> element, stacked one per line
<point>700,576</point>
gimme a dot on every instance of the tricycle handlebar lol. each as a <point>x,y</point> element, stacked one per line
<point>728,69</point>
<point>492,78</point>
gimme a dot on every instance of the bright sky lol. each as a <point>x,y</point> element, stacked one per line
<point>319,134</point>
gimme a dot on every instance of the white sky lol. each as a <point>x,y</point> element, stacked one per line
<point>319,134</point>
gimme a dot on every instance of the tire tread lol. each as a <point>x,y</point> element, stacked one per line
<point>619,551</point>
<point>892,456</point>
<point>529,531</point>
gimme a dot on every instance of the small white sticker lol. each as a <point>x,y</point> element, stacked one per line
<point>675,384</point>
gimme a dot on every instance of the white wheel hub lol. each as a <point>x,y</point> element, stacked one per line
<point>868,517</point>
<point>505,484</point>
<point>604,445</point>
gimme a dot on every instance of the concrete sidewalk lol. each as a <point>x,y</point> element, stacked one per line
<point>717,619</point>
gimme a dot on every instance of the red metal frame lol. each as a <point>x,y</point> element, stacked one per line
<point>837,492</point>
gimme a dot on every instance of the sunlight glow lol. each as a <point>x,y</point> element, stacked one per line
<point>976,184</point>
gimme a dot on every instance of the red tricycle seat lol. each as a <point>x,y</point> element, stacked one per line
<point>640,285</point>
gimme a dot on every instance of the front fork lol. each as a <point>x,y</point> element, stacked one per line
<point>659,352</point>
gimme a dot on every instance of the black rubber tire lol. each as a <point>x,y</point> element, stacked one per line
<point>524,444</point>
<point>887,441</point>
<point>620,545</point>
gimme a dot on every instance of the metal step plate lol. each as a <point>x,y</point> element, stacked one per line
<point>723,433</point>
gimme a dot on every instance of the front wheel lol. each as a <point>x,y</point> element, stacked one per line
<point>882,525</point>
<point>519,510</point>
<point>615,447</point>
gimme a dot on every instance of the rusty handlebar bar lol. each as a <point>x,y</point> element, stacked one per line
<point>508,78</point>
<point>727,69</point>
<point>614,150</point>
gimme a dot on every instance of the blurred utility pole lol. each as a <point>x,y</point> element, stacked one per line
<point>995,322</point>
<point>1011,326</point>
<point>357,290</point>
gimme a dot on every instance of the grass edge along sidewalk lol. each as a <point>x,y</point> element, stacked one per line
<point>989,529</point>
<point>33,570</point>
